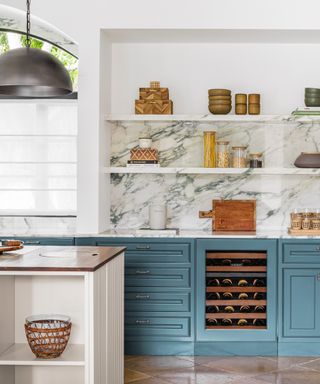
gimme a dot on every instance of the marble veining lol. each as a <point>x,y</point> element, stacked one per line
<point>180,146</point>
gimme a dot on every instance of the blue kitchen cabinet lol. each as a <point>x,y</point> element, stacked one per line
<point>236,341</point>
<point>299,297</point>
<point>43,240</point>
<point>159,293</point>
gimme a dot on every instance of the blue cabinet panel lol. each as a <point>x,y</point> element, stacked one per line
<point>43,240</point>
<point>301,305</point>
<point>306,252</point>
<point>158,302</point>
<point>144,327</point>
<point>157,277</point>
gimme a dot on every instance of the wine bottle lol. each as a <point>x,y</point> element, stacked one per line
<point>245,308</point>
<point>226,322</point>
<point>242,322</point>
<point>259,283</point>
<point>229,309</point>
<point>259,296</point>
<point>212,309</point>
<point>213,283</point>
<point>227,295</point>
<point>246,262</point>
<point>259,322</point>
<point>242,283</point>
<point>243,296</point>
<point>226,282</point>
<point>259,308</point>
<point>226,262</point>
<point>211,322</point>
<point>213,296</point>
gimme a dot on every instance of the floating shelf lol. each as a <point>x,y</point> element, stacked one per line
<point>208,118</point>
<point>213,171</point>
<point>20,354</point>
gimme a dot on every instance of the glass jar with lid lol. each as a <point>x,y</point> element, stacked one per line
<point>255,160</point>
<point>223,154</point>
<point>239,156</point>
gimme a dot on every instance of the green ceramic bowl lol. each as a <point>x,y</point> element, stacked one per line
<point>312,92</point>
<point>312,101</point>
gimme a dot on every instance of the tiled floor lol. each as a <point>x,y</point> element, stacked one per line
<point>221,370</point>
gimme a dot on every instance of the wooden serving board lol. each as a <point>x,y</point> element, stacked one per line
<point>8,249</point>
<point>232,215</point>
<point>304,232</point>
<point>154,107</point>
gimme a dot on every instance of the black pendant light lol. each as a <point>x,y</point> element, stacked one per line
<point>32,73</point>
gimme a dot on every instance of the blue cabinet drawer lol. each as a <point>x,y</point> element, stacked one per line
<point>43,240</point>
<point>157,302</point>
<point>151,253</point>
<point>137,326</point>
<point>302,252</point>
<point>157,277</point>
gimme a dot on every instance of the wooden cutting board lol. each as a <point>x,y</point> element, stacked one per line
<point>10,248</point>
<point>232,215</point>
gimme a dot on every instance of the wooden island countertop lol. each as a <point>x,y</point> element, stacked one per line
<point>55,258</point>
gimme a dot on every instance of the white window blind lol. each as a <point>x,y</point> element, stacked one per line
<point>38,142</point>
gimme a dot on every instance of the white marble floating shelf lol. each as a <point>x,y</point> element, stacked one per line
<point>275,119</point>
<point>213,171</point>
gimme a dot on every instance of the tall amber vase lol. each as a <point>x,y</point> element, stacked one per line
<point>209,146</point>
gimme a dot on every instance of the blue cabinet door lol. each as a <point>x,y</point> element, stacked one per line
<point>268,246</point>
<point>301,305</point>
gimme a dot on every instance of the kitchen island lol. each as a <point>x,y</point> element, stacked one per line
<point>84,283</point>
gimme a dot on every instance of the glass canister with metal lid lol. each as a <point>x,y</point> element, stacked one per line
<point>223,154</point>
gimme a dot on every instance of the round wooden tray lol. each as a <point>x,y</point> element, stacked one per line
<point>8,249</point>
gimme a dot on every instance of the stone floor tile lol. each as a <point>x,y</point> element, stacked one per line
<point>313,364</point>
<point>149,364</point>
<point>202,360</point>
<point>246,365</point>
<point>286,362</point>
<point>292,375</point>
<point>133,376</point>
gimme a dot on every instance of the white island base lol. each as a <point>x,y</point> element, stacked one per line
<point>93,300</point>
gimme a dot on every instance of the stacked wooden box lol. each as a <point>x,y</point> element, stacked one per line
<point>154,101</point>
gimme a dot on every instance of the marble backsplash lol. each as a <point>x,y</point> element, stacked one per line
<point>180,145</point>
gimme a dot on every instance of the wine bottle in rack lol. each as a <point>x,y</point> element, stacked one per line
<point>226,282</point>
<point>213,283</point>
<point>259,308</point>
<point>259,296</point>
<point>246,262</point>
<point>226,262</point>
<point>242,322</point>
<point>227,322</point>
<point>243,296</point>
<point>259,322</point>
<point>213,296</point>
<point>229,309</point>
<point>212,322</point>
<point>212,309</point>
<point>242,283</point>
<point>227,295</point>
<point>245,308</point>
<point>259,283</point>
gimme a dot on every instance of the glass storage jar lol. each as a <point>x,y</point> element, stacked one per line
<point>223,154</point>
<point>209,142</point>
<point>239,157</point>
<point>255,160</point>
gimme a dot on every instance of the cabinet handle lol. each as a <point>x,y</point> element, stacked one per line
<point>143,297</point>
<point>31,242</point>
<point>139,272</point>
<point>143,247</point>
<point>142,322</point>
<point>318,276</point>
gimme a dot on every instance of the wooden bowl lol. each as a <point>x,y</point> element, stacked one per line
<point>212,98</point>
<point>312,101</point>
<point>241,109</point>
<point>241,98</point>
<point>219,92</point>
<point>308,160</point>
<point>315,92</point>
<point>220,102</point>
<point>254,98</point>
<point>220,109</point>
<point>254,109</point>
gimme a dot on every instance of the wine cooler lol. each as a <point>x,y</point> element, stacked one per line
<point>236,290</point>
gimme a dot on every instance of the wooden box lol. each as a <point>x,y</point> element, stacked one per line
<point>154,107</point>
<point>144,154</point>
<point>154,93</point>
<point>232,215</point>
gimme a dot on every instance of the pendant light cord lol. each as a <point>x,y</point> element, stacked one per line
<point>28,41</point>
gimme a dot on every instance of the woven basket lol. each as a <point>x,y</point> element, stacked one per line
<point>48,335</point>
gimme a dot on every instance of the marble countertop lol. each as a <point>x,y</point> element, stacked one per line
<point>183,233</point>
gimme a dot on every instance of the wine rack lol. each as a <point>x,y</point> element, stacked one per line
<point>236,290</point>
